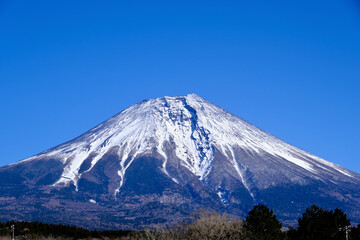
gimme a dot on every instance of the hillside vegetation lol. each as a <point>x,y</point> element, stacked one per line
<point>260,224</point>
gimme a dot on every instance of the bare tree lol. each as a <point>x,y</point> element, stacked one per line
<point>206,225</point>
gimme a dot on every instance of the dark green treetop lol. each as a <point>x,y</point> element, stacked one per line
<point>262,224</point>
<point>318,224</point>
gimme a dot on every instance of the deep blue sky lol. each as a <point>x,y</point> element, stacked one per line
<point>291,68</point>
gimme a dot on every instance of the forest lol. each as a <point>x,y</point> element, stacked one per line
<point>260,224</point>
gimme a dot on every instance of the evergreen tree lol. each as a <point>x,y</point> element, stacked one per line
<point>355,233</point>
<point>318,224</point>
<point>262,224</point>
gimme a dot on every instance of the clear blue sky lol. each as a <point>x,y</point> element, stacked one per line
<point>291,68</point>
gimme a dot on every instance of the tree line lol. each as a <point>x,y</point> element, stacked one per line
<point>32,230</point>
<point>315,224</point>
<point>260,224</point>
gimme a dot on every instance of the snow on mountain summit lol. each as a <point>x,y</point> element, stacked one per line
<point>160,160</point>
<point>196,126</point>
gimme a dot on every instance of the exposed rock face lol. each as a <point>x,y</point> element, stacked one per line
<point>159,160</point>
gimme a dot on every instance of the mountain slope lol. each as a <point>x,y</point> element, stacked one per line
<point>174,155</point>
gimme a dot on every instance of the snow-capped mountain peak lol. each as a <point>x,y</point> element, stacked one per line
<point>194,125</point>
<point>164,158</point>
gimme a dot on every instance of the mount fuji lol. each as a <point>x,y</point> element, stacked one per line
<point>158,161</point>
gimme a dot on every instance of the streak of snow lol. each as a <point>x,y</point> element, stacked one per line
<point>240,173</point>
